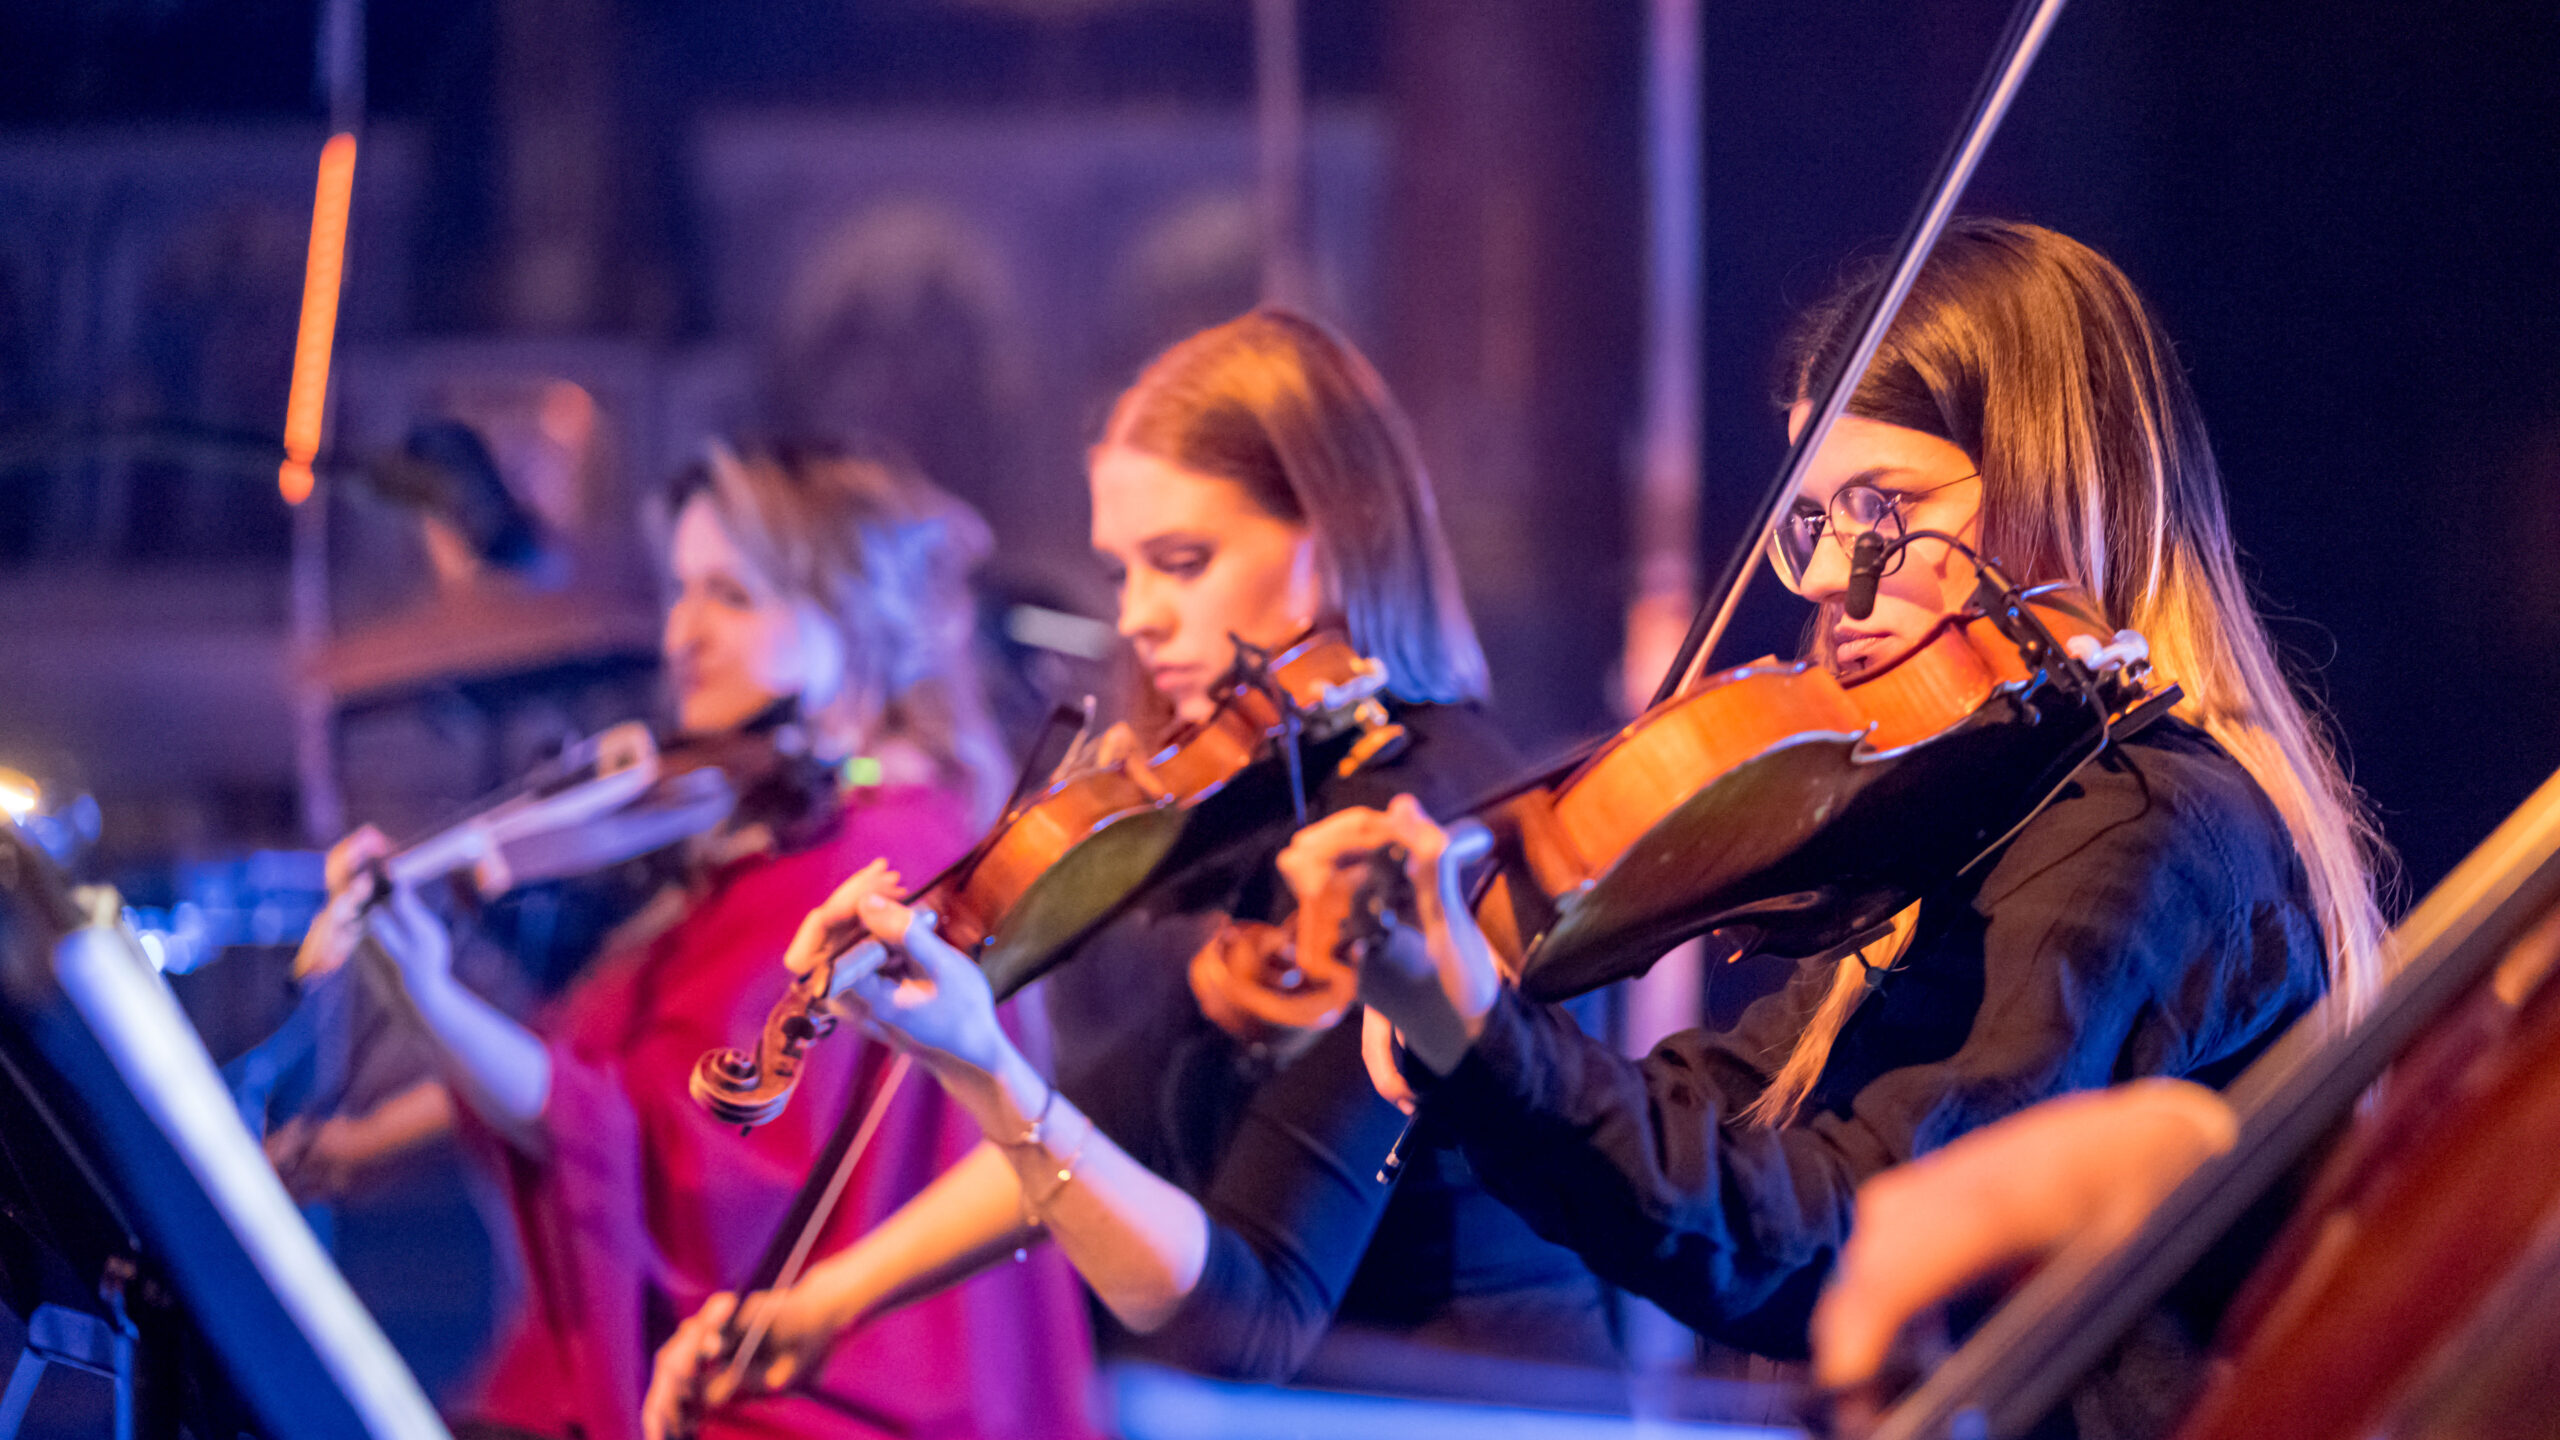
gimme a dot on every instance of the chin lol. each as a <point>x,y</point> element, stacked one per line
<point>709,716</point>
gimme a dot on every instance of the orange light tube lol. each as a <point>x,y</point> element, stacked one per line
<point>320,275</point>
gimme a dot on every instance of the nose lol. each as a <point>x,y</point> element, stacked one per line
<point>1146,612</point>
<point>676,636</point>
<point>1826,575</point>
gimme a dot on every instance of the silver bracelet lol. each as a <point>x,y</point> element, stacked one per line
<point>1031,1208</point>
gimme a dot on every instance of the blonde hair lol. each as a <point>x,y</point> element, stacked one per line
<point>1287,409</point>
<point>885,557</point>
<point>2035,355</point>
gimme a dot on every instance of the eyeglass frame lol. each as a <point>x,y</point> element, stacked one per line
<point>1844,536</point>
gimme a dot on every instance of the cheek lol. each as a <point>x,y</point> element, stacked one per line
<point>763,650</point>
<point>1265,602</point>
<point>1911,599</point>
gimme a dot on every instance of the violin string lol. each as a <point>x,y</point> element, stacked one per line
<point>752,1338</point>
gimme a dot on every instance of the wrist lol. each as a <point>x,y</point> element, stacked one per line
<point>836,1297</point>
<point>432,988</point>
<point>1005,1098</point>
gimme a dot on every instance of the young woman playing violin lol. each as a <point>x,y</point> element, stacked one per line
<point>1255,482</point>
<point>835,586</point>
<point>2182,898</point>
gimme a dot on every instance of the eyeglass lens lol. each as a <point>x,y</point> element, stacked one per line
<point>1854,510</point>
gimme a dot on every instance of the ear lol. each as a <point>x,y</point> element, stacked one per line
<point>1308,600</point>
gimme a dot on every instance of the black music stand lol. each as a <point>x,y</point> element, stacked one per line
<point>142,1234</point>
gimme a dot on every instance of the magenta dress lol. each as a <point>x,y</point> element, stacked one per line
<point>646,1205</point>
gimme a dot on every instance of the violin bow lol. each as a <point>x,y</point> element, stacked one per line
<point>2028,27</point>
<point>786,1255</point>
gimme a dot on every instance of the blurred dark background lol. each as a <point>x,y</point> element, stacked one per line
<point>601,230</point>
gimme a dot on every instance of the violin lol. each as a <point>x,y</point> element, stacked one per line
<point>611,797</point>
<point>617,795</point>
<point>1791,810</point>
<point>1061,861</point>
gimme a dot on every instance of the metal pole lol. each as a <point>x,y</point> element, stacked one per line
<point>1280,129</point>
<point>1670,997</point>
<point>339,59</point>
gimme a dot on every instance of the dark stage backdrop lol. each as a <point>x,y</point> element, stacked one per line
<point>2348,213</point>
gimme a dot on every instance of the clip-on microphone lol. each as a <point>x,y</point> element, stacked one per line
<point>1866,567</point>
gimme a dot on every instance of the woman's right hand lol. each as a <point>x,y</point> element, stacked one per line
<point>2082,1169</point>
<point>693,1372</point>
<point>317,1159</point>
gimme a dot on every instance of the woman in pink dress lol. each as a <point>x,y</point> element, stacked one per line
<point>824,598</point>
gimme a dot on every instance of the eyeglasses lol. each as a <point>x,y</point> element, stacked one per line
<point>1855,509</point>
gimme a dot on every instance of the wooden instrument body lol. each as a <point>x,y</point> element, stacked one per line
<point>1062,862</point>
<point>2410,1232</point>
<point>1776,797</point>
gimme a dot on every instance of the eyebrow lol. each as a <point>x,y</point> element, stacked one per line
<point>1867,477</point>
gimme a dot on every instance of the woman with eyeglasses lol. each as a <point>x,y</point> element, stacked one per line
<point>2185,896</point>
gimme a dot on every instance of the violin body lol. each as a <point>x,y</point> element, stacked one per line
<point>1798,812</point>
<point>618,795</point>
<point>1063,861</point>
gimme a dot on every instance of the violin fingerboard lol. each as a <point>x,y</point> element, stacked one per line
<point>1381,904</point>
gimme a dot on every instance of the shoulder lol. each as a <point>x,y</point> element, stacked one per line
<point>2169,791</point>
<point>2166,841</point>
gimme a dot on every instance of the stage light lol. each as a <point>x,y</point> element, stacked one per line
<point>304,407</point>
<point>19,795</point>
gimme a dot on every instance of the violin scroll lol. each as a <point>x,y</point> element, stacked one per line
<point>749,1089</point>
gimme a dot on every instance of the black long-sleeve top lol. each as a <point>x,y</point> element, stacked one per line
<point>2154,920</point>
<point>1286,1159</point>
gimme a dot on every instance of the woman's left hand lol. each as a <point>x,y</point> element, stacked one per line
<point>920,994</point>
<point>1440,1008</point>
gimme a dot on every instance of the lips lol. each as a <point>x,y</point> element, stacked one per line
<point>1853,648</point>
<point>1171,678</point>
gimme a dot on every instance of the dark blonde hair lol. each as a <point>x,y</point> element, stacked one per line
<point>2034,355</point>
<point>885,556</point>
<point>1287,409</point>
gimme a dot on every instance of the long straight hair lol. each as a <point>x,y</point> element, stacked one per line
<point>1284,407</point>
<point>885,557</point>
<point>2034,355</point>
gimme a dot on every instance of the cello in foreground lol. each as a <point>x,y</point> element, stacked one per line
<point>2409,1289</point>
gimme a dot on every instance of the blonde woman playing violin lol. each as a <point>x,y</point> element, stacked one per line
<point>837,584</point>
